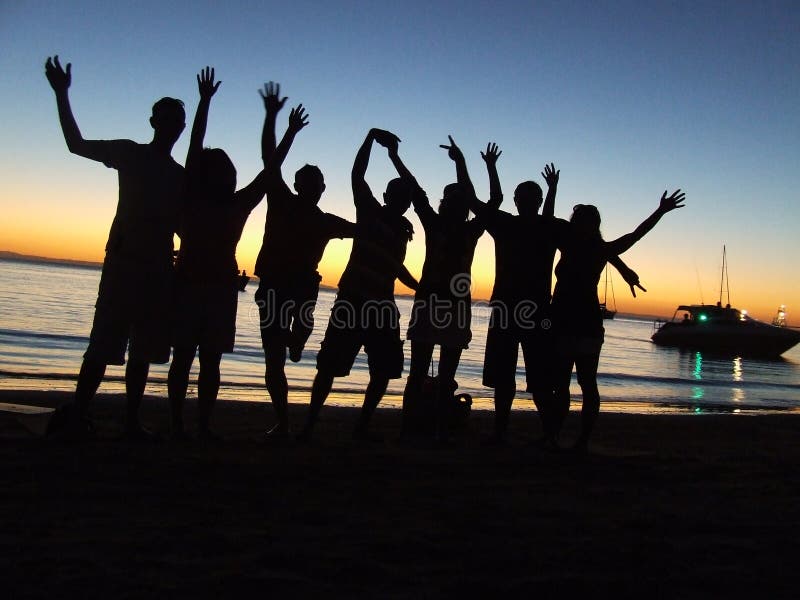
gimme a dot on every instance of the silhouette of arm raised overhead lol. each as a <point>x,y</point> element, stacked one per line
<point>419,199</point>
<point>297,120</point>
<point>667,204</point>
<point>486,210</point>
<point>462,175</point>
<point>551,178</point>
<point>361,190</point>
<point>207,88</point>
<point>490,157</point>
<point>60,80</point>
<point>273,104</point>
<point>628,274</point>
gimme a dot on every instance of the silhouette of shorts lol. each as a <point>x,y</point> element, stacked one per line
<point>373,324</point>
<point>577,345</point>
<point>286,310</point>
<point>441,319</point>
<point>502,350</point>
<point>205,314</point>
<point>132,311</point>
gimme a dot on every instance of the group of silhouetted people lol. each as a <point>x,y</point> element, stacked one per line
<point>151,303</point>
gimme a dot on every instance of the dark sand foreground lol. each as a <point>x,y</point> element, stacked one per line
<point>665,506</point>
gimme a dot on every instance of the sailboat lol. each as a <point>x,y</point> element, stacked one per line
<point>608,313</point>
<point>724,329</point>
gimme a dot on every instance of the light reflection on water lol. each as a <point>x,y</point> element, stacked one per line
<point>634,373</point>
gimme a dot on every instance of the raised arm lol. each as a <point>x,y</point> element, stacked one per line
<point>667,204</point>
<point>361,191</point>
<point>495,190</point>
<point>628,274</point>
<point>551,178</point>
<point>273,104</point>
<point>60,80</point>
<point>462,175</point>
<point>419,199</point>
<point>297,120</point>
<point>207,88</point>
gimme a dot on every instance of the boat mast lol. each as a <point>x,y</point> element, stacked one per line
<point>723,281</point>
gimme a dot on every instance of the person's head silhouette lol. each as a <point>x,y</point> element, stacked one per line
<point>169,119</point>
<point>214,175</point>
<point>585,220</point>
<point>309,183</point>
<point>528,198</point>
<point>397,196</point>
<point>453,206</point>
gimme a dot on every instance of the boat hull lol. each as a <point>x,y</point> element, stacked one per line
<point>747,338</point>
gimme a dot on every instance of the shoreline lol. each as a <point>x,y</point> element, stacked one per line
<point>664,505</point>
<point>113,385</point>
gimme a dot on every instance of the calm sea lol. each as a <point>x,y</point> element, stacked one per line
<point>46,314</point>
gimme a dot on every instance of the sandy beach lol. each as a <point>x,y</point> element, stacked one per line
<point>671,506</point>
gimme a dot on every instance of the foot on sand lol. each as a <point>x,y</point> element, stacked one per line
<point>278,435</point>
<point>364,435</point>
<point>139,434</point>
<point>206,436</point>
<point>68,424</point>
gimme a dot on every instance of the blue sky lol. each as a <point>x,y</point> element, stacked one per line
<point>627,98</point>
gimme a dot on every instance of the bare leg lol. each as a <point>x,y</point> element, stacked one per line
<point>89,378</point>
<point>135,382</point>
<point>376,388</point>
<point>320,389</point>
<point>543,398</point>
<point>562,378</point>
<point>448,365</point>
<point>503,399</point>
<point>586,367</point>
<point>413,410</point>
<point>177,384</point>
<point>207,389</point>
<point>277,386</point>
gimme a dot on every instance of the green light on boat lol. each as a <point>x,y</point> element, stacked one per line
<point>702,317</point>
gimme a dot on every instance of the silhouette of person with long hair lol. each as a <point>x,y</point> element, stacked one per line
<point>134,297</point>
<point>206,270</point>
<point>525,246</point>
<point>442,310</point>
<point>295,235</point>
<point>365,313</point>
<point>576,306</point>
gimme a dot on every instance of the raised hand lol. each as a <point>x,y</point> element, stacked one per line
<point>492,153</point>
<point>386,139</point>
<point>453,151</point>
<point>273,103</point>
<point>297,118</point>
<point>551,176</point>
<point>59,79</point>
<point>205,83</point>
<point>632,279</point>
<point>672,202</point>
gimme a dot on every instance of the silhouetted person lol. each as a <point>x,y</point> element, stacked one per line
<point>525,246</point>
<point>576,306</point>
<point>295,235</point>
<point>132,309</point>
<point>442,311</point>
<point>365,313</point>
<point>214,216</point>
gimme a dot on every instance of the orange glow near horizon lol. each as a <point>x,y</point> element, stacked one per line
<point>67,233</point>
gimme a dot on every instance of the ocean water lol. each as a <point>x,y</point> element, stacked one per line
<point>46,314</point>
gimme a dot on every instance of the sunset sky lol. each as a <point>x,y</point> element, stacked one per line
<point>627,98</point>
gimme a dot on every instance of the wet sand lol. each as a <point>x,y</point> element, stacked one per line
<point>670,506</point>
